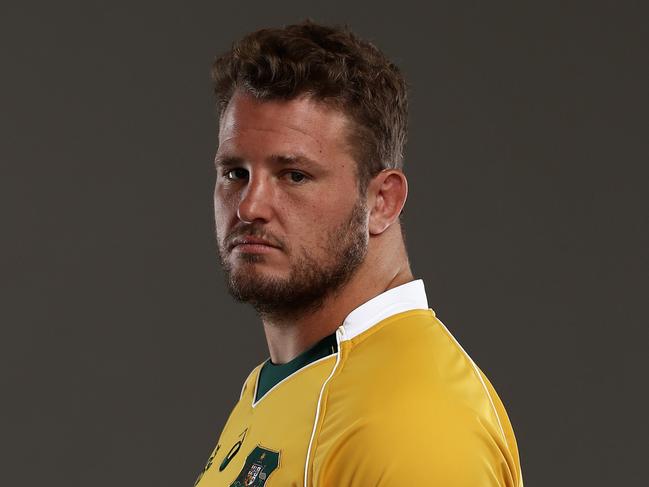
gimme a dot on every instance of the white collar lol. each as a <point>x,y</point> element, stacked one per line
<point>411,295</point>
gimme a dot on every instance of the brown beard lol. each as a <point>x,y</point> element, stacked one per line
<point>310,281</point>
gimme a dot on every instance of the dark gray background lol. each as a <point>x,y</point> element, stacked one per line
<point>121,354</point>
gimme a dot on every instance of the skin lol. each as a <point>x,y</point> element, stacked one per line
<point>291,202</point>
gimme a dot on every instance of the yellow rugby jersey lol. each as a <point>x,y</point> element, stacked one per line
<point>396,401</point>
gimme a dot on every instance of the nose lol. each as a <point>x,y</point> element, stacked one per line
<point>256,200</point>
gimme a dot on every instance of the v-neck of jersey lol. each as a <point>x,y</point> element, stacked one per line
<point>272,374</point>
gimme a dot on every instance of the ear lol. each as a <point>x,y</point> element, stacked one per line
<point>387,193</point>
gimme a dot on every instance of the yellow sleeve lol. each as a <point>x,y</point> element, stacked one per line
<point>449,447</point>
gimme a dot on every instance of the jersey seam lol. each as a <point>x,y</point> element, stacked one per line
<point>321,410</point>
<point>479,376</point>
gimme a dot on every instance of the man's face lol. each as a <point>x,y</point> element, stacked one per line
<point>290,224</point>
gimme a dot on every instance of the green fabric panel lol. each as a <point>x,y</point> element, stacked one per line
<point>272,374</point>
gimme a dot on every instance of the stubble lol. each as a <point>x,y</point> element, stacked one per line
<point>311,279</point>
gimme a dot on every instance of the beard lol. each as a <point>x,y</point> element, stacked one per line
<point>311,280</point>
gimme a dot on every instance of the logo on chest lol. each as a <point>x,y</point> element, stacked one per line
<point>259,465</point>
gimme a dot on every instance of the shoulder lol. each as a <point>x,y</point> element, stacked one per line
<point>409,358</point>
<point>412,402</point>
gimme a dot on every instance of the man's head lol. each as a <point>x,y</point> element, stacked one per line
<point>310,118</point>
<point>333,66</point>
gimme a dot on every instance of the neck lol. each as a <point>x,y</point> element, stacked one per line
<point>288,337</point>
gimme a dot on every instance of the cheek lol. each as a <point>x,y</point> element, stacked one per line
<point>224,207</point>
<point>320,221</point>
<point>224,196</point>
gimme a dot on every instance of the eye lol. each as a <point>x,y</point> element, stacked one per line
<point>296,176</point>
<point>236,174</point>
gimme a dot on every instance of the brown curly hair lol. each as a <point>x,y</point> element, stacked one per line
<point>334,66</point>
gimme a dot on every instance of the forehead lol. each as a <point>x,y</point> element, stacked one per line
<point>302,124</point>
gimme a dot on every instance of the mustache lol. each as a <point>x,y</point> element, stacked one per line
<point>251,230</point>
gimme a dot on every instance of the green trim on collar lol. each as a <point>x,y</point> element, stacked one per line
<point>272,374</point>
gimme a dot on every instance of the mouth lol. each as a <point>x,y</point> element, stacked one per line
<point>252,245</point>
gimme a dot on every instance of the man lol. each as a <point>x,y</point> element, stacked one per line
<point>364,386</point>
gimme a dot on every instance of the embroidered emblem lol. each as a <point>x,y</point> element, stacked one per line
<point>259,465</point>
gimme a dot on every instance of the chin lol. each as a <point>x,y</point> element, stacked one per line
<point>256,273</point>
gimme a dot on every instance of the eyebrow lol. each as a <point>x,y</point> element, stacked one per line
<point>282,159</point>
<point>289,159</point>
<point>227,161</point>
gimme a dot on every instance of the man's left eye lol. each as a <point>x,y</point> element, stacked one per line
<point>296,177</point>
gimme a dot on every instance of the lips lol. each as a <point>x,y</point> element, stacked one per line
<point>251,241</point>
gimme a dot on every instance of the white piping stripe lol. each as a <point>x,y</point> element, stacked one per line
<point>243,387</point>
<point>340,333</point>
<point>284,379</point>
<point>477,371</point>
